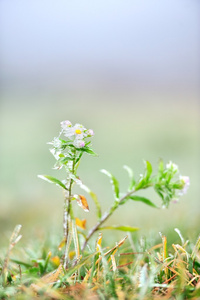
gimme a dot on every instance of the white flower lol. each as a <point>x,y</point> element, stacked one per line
<point>172,167</point>
<point>79,143</point>
<point>78,131</point>
<point>65,124</point>
<point>186,183</point>
<point>69,132</point>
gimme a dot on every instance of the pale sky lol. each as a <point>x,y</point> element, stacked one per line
<point>141,38</point>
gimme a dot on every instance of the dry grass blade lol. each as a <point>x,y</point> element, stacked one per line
<point>14,239</point>
<point>196,249</point>
<point>47,281</point>
<point>113,250</point>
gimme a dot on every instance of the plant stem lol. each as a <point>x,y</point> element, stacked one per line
<point>65,227</point>
<point>68,209</point>
<point>106,216</point>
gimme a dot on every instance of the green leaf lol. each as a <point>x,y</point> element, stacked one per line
<point>144,181</point>
<point>159,191</point>
<point>142,199</point>
<point>148,169</point>
<point>190,265</point>
<point>88,150</point>
<point>130,173</point>
<point>52,180</point>
<point>122,228</point>
<point>65,160</point>
<point>78,158</point>
<point>114,183</point>
<point>94,197</point>
<point>19,262</point>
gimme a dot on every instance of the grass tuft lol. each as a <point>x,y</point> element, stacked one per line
<point>159,271</point>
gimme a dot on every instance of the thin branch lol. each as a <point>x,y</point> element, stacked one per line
<point>106,216</point>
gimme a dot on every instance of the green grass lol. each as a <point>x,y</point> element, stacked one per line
<point>132,268</point>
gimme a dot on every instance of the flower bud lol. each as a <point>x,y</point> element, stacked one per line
<point>79,143</point>
<point>172,167</point>
<point>90,132</point>
<point>185,180</point>
<point>65,124</point>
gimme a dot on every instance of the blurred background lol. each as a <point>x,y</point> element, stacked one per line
<point>127,69</point>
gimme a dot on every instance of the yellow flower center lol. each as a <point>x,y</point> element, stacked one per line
<point>78,131</point>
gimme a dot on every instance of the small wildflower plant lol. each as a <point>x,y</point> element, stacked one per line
<point>86,270</point>
<point>68,148</point>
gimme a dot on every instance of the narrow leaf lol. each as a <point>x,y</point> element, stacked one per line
<point>81,263</point>
<point>180,235</point>
<point>62,244</point>
<point>114,183</point>
<point>19,262</point>
<point>142,199</point>
<point>196,248</point>
<point>76,241</point>
<point>113,250</point>
<point>82,202</point>
<point>130,173</point>
<point>159,191</point>
<point>94,198</point>
<point>165,252</point>
<point>148,169</point>
<point>52,180</point>
<point>88,150</point>
<point>144,179</point>
<point>190,265</point>
<point>65,160</point>
<point>122,228</point>
<point>165,248</point>
<point>98,241</point>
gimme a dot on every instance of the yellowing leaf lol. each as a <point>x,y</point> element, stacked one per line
<point>114,249</point>
<point>98,242</point>
<point>165,250</point>
<point>72,254</point>
<point>56,260</point>
<point>122,241</point>
<point>81,223</point>
<point>62,244</point>
<point>82,202</point>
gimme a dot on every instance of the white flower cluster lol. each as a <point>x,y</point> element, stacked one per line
<point>76,133</point>
<point>172,167</point>
<point>186,183</point>
<point>184,180</point>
